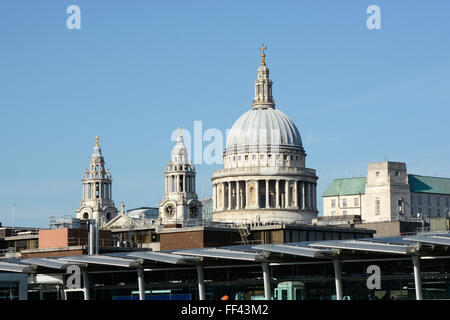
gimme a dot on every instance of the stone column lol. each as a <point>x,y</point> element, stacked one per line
<point>277,194</point>
<point>238,195</point>
<point>214,197</point>
<point>267,194</point>
<point>246,194</point>
<point>257,194</point>
<point>303,196</point>
<point>309,195</point>
<point>286,194</point>
<point>177,187</point>
<point>314,187</point>
<point>295,195</point>
<point>229,195</point>
<point>223,196</point>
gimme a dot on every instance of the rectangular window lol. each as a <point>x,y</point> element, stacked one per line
<point>438,212</point>
<point>429,200</point>
<point>419,197</point>
<point>396,173</point>
<point>356,202</point>
<point>400,206</point>
<point>344,203</point>
<point>429,211</point>
<point>420,211</point>
<point>377,207</point>
<point>344,212</point>
<point>446,202</point>
<point>333,203</point>
<point>438,201</point>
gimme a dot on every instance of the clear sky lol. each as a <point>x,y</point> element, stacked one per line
<point>138,69</point>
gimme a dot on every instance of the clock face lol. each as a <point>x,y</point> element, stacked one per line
<point>193,210</point>
<point>169,210</point>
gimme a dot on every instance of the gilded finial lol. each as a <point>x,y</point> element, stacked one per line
<point>179,131</point>
<point>96,141</point>
<point>263,55</point>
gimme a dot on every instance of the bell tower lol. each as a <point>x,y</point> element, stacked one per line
<point>180,204</point>
<point>96,200</point>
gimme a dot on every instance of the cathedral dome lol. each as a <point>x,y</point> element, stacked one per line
<point>263,126</point>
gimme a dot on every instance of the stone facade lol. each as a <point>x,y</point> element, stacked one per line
<point>180,204</point>
<point>264,176</point>
<point>97,200</point>
<point>389,193</point>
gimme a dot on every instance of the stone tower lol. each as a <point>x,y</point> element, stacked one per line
<point>97,200</point>
<point>180,204</point>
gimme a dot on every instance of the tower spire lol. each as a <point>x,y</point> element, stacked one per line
<point>263,85</point>
<point>96,141</point>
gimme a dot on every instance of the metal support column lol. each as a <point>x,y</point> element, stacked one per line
<point>266,275</point>
<point>417,279</point>
<point>201,282</point>
<point>338,278</point>
<point>141,283</point>
<point>91,236</point>
<point>84,274</point>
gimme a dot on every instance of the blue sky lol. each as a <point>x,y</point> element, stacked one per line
<point>138,69</point>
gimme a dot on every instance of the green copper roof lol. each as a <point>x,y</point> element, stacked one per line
<point>348,186</point>
<point>429,184</point>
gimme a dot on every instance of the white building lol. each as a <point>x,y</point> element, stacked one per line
<point>97,200</point>
<point>388,193</point>
<point>180,204</point>
<point>264,176</point>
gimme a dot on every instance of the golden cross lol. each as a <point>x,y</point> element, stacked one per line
<point>179,131</point>
<point>263,48</point>
<point>263,55</point>
<point>96,139</point>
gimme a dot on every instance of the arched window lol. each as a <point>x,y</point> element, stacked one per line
<point>85,215</point>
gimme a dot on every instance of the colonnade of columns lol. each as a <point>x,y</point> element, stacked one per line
<point>180,183</point>
<point>267,193</point>
<point>97,190</point>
